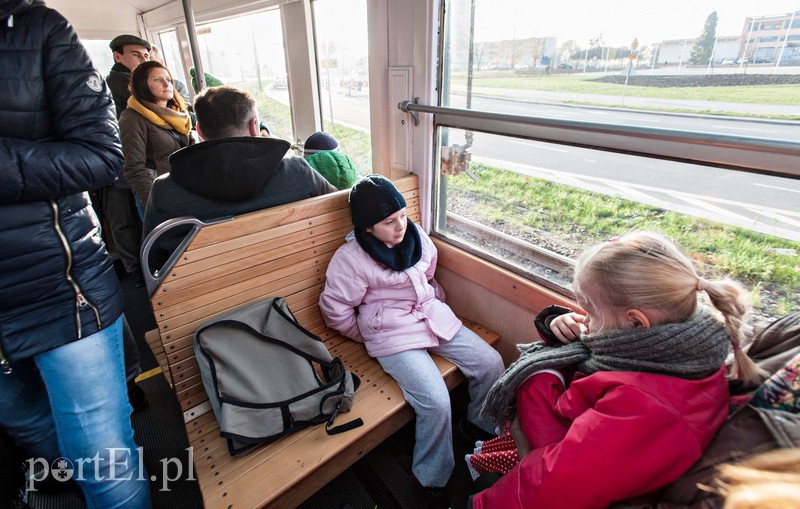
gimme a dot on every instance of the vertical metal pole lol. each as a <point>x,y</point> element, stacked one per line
<point>680,60</point>
<point>746,46</point>
<point>786,36</point>
<point>710,67</point>
<point>471,62</point>
<point>200,74</point>
<point>440,221</point>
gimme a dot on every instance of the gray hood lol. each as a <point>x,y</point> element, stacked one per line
<point>228,169</point>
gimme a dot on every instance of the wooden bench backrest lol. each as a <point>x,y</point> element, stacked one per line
<point>281,251</point>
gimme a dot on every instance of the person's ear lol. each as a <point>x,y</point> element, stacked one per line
<point>252,127</point>
<point>116,56</point>
<point>637,319</point>
<point>199,131</point>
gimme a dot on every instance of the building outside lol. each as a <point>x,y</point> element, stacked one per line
<point>772,39</point>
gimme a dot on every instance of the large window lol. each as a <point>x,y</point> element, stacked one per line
<point>100,54</point>
<point>340,32</point>
<point>590,74</point>
<point>171,53</point>
<point>248,52</point>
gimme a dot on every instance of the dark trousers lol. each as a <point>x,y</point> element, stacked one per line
<point>132,360</point>
<point>119,212</point>
<point>12,475</point>
<point>109,199</point>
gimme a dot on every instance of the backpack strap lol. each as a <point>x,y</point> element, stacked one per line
<point>329,429</point>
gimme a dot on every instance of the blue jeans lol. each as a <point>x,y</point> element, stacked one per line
<point>424,389</point>
<point>75,407</point>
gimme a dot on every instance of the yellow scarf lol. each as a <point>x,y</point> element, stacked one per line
<point>166,118</point>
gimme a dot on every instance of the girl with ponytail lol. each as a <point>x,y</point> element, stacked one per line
<point>623,397</point>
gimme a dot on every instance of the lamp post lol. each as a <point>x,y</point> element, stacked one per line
<point>629,71</point>
<point>744,58</point>
<point>711,59</point>
<point>786,37</point>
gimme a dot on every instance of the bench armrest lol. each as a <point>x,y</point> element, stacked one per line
<point>153,278</point>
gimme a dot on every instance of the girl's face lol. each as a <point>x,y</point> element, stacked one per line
<point>160,85</point>
<point>392,229</point>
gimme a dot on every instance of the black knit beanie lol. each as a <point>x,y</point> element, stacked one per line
<point>318,142</point>
<point>373,199</point>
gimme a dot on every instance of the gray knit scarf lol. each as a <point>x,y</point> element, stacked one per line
<point>692,349</point>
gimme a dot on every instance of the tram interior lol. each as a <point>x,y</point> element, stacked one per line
<point>403,70</point>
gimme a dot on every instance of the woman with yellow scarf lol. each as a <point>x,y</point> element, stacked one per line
<point>154,125</point>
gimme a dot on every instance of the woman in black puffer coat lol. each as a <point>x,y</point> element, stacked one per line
<point>60,301</point>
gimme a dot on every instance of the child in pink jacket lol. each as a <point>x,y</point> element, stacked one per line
<point>380,291</point>
<point>627,395</point>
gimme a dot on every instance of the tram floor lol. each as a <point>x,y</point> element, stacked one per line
<point>382,479</point>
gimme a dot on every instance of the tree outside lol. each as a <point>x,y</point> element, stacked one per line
<point>704,46</point>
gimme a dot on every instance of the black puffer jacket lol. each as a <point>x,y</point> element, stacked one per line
<point>58,139</point>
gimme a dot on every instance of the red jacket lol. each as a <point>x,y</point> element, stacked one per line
<point>623,434</point>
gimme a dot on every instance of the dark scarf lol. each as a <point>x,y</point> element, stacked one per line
<point>400,257</point>
<point>692,349</point>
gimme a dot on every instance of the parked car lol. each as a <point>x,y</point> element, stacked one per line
<point>353,84</point>
<point>727,61</point>
<point>280,82</point>
<point>565,65</point>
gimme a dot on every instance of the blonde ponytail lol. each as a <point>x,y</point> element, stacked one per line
<point>731,299</point>
<point>645,270</point>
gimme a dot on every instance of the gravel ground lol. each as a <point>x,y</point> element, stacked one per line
<point>465,205</point>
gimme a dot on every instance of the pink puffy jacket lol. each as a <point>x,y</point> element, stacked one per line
<point>396,311</point>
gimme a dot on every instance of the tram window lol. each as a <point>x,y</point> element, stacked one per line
<point>624,54</point>
<point>171,53</point>
<point>625,65</point>
<point>100,54</point>
<point>342,63</point>
<point>533,206</point>
<point>247,52</point>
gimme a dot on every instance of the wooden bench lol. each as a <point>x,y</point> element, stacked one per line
<point>281,251</point>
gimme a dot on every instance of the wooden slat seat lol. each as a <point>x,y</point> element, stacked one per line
<point>283,251</point>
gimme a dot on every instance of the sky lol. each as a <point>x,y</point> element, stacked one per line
<point>619,21</point>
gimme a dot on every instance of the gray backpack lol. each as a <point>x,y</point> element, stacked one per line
<point>266,376</point>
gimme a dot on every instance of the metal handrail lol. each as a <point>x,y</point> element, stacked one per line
<point>776,156</point>
<point>153,279</point>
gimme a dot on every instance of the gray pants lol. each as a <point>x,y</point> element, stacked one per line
<point>424,389</point>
